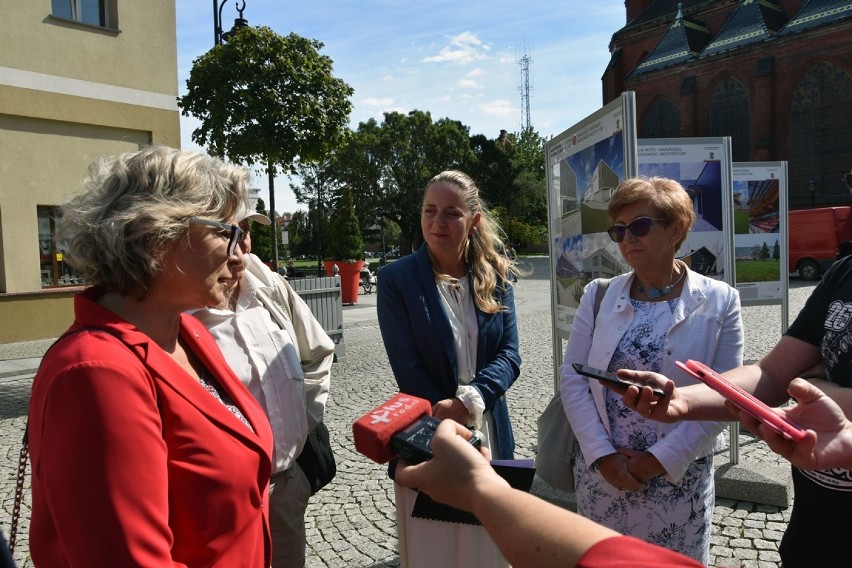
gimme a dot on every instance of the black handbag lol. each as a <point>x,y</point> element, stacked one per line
<point>317,459</point>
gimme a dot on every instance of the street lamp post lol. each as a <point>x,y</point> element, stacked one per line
<point>320,271</point>
<point>218,35</point>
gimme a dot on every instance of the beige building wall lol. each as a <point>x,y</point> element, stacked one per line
<point>69,93</point>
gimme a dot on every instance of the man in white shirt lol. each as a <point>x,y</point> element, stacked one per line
<point>280,351</point>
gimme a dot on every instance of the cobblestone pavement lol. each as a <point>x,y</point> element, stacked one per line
<point>351,523</point>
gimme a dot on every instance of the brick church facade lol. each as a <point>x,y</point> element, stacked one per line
<point>774,75</point>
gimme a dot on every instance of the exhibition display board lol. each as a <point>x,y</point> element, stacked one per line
<point>760,232</point>
<point>585,164</point>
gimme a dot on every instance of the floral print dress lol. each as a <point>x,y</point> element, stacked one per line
<point>675,516</point>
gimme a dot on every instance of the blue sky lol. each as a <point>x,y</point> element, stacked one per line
<point>454,59</point>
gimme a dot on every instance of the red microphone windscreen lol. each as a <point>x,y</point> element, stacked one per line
<point>373,431</point>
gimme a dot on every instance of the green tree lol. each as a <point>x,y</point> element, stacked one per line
<point>318,189</point>
<point>764,251</point>
<point>359,165</point>
<point>345,242</point>
<point>510,174</point>
<point>415,149</point>
<point>492,170</point>
<point>263,98</point>
<point>261,237</point>
<point>529,188</point>
<point>300,233</point>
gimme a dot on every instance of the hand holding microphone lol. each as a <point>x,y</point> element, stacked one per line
<point>458,475</point>
<point>402,426</point>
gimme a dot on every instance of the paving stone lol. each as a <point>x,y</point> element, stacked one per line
<point>745,553</point>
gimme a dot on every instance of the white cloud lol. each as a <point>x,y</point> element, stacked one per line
<point>500,107</point>
<point>377,102</point>
<point>468,38</point>
<point>478,72</point>
<point>464,48</point>
<point>469,84</point>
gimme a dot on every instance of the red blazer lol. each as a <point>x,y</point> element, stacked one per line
<point>134,463</point>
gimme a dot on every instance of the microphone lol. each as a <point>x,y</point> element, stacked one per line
<point>402,426</point>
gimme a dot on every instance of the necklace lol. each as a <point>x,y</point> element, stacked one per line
<point>654,293</point>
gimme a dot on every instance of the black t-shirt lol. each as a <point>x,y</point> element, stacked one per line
<point>818,533</point>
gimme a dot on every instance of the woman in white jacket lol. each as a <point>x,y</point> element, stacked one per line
<point>642,478</point>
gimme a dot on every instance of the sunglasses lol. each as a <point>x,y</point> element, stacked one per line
<point>639,227</point>
<point>234,233</point>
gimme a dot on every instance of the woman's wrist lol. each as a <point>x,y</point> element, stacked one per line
<point>596,465</point>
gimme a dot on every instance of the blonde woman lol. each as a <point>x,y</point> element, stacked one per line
<point>447,317</point>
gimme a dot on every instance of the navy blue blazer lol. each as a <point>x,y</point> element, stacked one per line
<point>419,342</point>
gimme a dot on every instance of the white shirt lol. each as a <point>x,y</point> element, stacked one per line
<point>266,360</point>
<point>459,306</point>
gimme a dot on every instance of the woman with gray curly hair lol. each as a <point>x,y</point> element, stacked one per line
<point>447,317</point>
<point>146,449</point>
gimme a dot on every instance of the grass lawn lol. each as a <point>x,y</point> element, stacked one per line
<point>741,222</point>
<point>758,271</point>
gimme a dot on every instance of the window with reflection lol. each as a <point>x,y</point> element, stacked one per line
<point>54,270</point>
<point>99,13</point>
<point>820,135</point>
<point>661,121</point>
<point>729,116</point>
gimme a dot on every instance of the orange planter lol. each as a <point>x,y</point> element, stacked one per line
<point>350,278</point>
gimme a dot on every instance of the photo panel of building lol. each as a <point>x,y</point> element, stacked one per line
<point>581,259</point>
<point>759,189</point>
<point>568,279</point>
<point>600,168</point>
<point>702,166</point>
<point>586,163</point>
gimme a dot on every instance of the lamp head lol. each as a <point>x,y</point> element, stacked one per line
<point>238,23</point>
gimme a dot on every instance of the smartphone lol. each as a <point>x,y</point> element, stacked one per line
<point>610,377</point>
<point>414,442</point>
<point>743,400</point>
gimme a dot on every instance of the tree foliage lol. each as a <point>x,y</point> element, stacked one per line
<point>529,184</point>
<point>345,242</point>
<point>318,189</point>
<point>415,149</point>
<point>301,235</point>
<point>261,236</point>
<point>387,166</point>
<point>266,98</point>
<point>359,165</point>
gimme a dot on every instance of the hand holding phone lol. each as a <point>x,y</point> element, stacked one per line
<point>611,378</point>
<point>743,400</point>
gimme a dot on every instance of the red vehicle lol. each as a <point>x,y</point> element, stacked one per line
<point>818,237</point>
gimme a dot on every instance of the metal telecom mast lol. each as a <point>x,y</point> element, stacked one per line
<point>524,89</point>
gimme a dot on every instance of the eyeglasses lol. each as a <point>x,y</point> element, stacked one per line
<point>235,234</point>
<point>639,227</point>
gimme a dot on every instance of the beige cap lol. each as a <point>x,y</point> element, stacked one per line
<point>244,214</point>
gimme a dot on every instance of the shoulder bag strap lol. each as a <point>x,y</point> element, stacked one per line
<point>25,449</point>
<point>600,292</point>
